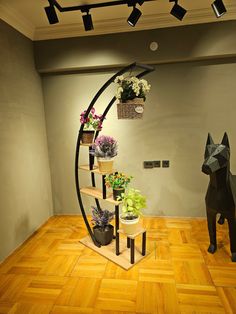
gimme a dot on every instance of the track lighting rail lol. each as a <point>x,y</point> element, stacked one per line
<point>87,7</point>
<point>177,10</point>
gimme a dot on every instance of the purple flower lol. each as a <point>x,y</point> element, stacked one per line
<point>105,147</point>
<point>101,218</point>
<point>93,121</point>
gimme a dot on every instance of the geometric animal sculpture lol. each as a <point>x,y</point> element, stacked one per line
<point>221,192</point>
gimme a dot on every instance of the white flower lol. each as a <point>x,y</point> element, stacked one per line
<point>119,79</point>
<point>132,86</point>
<point>119,92</point>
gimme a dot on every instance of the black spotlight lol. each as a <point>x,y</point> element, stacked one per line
<point>219,8</point>
<point>51,14</point>
<point>178,11</point>
<point>88,23</point>
<point>134,16</point>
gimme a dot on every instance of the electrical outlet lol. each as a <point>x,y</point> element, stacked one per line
<point>148,164</point>
<point>157,163</point>
<point>165,163</point>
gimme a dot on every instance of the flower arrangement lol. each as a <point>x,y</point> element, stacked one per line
<point>93,122</point>
<point>105,147</point>
<point>133,203</point>
<point>101,218</point>
<point>130,88</point>
<point>117,180</point>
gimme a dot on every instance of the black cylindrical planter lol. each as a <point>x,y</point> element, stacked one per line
<point>117,192</point>
<point>104,236</point>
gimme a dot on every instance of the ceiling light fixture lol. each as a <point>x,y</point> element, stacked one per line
<point>51,13</point>
<point>87,18</point>
<point>177,11</point>
<point>219,8</point>
<point>134,17</point>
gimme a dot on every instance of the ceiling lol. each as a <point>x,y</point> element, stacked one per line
<point>29,18</point>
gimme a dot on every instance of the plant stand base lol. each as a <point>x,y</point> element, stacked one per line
<point>108,251</point>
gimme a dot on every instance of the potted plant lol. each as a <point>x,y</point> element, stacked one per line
<point>132,204</point>
<point>92,123</point>
<point>131,93</point>
<point>118,181</point>
<point>103,231</point>
<point>105,149</point>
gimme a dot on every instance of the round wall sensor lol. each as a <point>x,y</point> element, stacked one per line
<point>153,46</point>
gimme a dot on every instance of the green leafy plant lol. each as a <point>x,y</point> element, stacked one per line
<point>132,203</point>
<point>130,88</point>
<point>117,180</point>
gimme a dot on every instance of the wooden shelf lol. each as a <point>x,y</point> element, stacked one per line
<point>132,236</point>
<point>97,193</point>
<point>95,170</point>
<point>84,144</point>
<point>86,167</point>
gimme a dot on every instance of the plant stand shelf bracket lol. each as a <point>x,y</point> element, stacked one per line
<point>131,242</point>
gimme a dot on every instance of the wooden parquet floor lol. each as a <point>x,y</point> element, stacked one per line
<point>53,273</point>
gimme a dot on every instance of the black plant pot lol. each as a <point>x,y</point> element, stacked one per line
<point>104,236</point>
<point>117,192</point>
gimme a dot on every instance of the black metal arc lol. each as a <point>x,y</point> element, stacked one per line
<point>147,69</point>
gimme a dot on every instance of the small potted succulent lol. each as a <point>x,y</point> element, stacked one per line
<point>131,93</point>
<point>91,124</point>
<point>118,181</point>
<point>105,149</point>
<point>103,231</point>
<point>132,204</point>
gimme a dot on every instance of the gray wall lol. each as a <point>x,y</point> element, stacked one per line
<point>25,187</point>
<point>186,101</point>
<point>203,41</point>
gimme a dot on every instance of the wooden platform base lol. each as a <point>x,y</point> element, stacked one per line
<point>108,251</point>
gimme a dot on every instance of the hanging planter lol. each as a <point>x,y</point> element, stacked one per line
<point>131,109</point>
<point>131,93</point>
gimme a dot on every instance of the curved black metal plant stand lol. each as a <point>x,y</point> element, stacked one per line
<point>145,69</point>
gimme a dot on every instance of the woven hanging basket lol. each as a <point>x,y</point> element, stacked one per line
<point>131,109</point>
<point>87,137</point>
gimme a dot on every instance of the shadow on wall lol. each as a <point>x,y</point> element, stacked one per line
<point>173,198</point>
<point>22,227</point>
<point>160,206</point>
<point>189,162</point>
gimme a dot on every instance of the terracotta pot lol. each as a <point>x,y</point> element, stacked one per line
<point>104,236</point>
<point>117,192</point>
<point>129,226</point>
<point>105,165</point>
<point>87,137</point>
